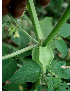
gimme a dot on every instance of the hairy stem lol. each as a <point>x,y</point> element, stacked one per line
<point>35,21</point>
<point>44,77</point>
<point>18,52</point>
<point>58,26</point>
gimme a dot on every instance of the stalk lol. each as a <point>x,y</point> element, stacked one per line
<point>18,52</point>
<point>58,26</point>
<point>35,21</point>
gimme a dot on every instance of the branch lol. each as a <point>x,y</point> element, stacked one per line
<point>58,26</point>
<point>18,52</point>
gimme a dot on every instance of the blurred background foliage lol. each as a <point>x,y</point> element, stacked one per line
<point>48,17</point>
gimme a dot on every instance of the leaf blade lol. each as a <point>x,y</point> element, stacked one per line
<point>8,68</point>
<point>23,40</point>
<point>65,31</point>
<point>43,56</point>
<point>29,72</point>
<point>61,47</point>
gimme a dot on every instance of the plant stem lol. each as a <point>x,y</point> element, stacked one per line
<point>23,30</point>
<point>29,35</point>
<point>35,21</point>
<point>44,76</point>
<point>58,26</point>
<point>18,52</point>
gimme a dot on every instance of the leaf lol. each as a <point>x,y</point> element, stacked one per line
<point>50,85</point>
<point>13,86</point>
<point>46,26</point>
<point>39,88</point>
<point>27,73</point>
<point>63,87</point>
<point>61,47</point>
<point>8,68</point>
<point>65,31</point>
<point>4,50</point>
<point>43,56</point>
<point>53,83</point>
<point>52,45</point>
<point>4,24</point>
<point>56,81</point>
<point>25,54</point>
<point>35,55</point>
<point>23,40</point>
<point>44,88</point>
<point>25,61</point>
<point>58,70</point>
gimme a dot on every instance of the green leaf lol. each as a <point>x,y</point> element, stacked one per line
<point>52,45</point>
<point>65,31</point>
<point>23,40</point>
<point>56,82</point>
<point>25,61</point>
<point>61,47</point>
<point>13,86</point>
<point>27,73</point>
<point>25,54</point>
<point>39,88</point>
<point>8,68</point>
<point>4,50</point>
<point>50,85</point>
<point>58,70</point>
<point>53,83</point>
<point>4,24</point>
<point>63,87</point>
<point>43,56</point>
<point>46,26</point>
<point>35,55</point>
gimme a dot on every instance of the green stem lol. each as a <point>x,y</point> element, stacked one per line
<point>29,35</point>
<point>23,30</point>
<point>58,26</point>
<point>35,21</point>
<point>44,76</point>
<point>18,52</point>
